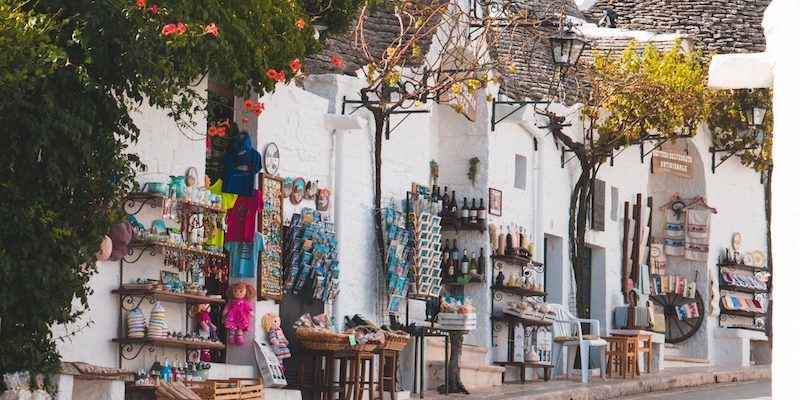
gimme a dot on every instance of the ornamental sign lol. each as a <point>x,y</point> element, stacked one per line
<point>673,163</point>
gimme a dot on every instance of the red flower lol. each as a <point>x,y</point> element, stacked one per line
<point>168,29</point>
<point>212,29</point>
<point>258,111</point>
<point>245,120</point>
<point>221,131</point>
<point>295,65</point>
<point>141,3</point>
<point>272,74</point>
<point>212,131</point>
<point>300,24</point>
<point>336,61</point>
<point>248,104</point>
<point>281,77</point>
<point>181,28</point>
<point>153,9</point>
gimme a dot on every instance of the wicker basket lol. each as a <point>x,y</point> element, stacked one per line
<point>314,339</point>
<point>364,348</point>
<point>394,340</point>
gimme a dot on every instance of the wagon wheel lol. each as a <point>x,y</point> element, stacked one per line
<point>679,330</point>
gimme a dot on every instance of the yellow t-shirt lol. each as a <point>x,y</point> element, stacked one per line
<point>228,200</point>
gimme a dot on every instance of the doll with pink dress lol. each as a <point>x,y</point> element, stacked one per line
<point>238,311</point>
<point>205,328</point>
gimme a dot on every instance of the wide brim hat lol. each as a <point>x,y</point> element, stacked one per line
<point>121,237</point>
<point>105,249</point>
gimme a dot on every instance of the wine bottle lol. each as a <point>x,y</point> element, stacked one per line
<point>473,213</point>
<point>464,263</point>
<point>451,269</point>
<point>473,264</point>
<point>481,263</point>
<point>523,243</point>
<point>433,194</point>
<point>509,242</point>
<point>454,254</point>
<point>464,213</point>
<point>445,200</point>
<point>481,214</point>
<point>446,252</point>
<point>453,205</point>
<point>501,243</point>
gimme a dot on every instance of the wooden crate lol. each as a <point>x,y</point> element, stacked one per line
<point>250,389</point>
<point>214,389</point>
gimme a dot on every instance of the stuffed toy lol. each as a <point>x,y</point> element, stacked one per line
<point>238,311</point>
<point>272,326</point>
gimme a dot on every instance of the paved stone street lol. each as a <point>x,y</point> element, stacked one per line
<point>685,383</point>
<point>733,391</point>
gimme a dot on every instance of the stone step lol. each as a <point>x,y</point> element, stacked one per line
<point>473,376</point>
<point>673,361</point>
<point>434,351</point>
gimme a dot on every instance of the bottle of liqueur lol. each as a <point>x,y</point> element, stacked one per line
<point>445,202</point>
<point>464,213</point>
<point>523,239</point>
<point>501,243</point>
<point>473,264</point>
<point>481,263</point>
<point>453,206</point>
<point>464,263</point>
<point>509,242</point>
<point>481,214</point>
<point>473,213</point>
<point>531,248</point>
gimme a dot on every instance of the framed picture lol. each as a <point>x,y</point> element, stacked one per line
<point>168,277</point>
<point>495,202</point>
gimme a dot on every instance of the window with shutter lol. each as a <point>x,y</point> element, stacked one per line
<point>599,206</point>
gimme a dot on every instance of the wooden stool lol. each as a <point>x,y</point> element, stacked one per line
<point>323,384</point>
<point>644,344</point>
<point>622,356</point>
<point>387,372</point>
<point>361,365</point>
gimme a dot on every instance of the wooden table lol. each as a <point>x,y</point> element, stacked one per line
<point>419,333</point>
<point>658,341</point>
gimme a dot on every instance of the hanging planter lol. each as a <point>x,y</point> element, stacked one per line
<point>473,169</point>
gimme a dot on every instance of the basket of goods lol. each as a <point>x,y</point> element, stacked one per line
<point>395,340</point>
<point>367,338</point>
<point>455,315</point>
<point>318,333</point>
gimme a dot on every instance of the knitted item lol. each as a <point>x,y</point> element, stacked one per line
<point>157,328</point>
<point>136,323</point>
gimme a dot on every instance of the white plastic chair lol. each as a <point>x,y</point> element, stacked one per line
<point>565,328</point>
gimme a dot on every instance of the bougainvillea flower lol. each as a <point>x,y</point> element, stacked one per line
<point>141,3</point>
<point>272,74</point>
<point>245,120</point>
<point>221,131</point>
<point>181,28</point>
<point>295,65</point>
<point>168,29</point>
<point>258,111</point>
<point>336,61</point>
<point>248,104</point>
<point>212,131</point>
<point>153,9</point>
<point>281,77</point>
<point>212,29</point>
<point>300,24</point>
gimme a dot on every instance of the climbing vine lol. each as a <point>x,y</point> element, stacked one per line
<point>730,131</point>
<point>71,72</point>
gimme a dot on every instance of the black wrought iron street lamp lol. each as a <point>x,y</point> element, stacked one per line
<point>567,49</point>
<point>755,114</point>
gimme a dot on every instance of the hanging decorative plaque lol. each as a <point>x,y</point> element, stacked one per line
<point>270,268</point>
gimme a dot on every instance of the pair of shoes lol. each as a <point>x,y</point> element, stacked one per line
<point>235,339</point>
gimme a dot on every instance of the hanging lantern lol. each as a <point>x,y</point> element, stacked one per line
<point>567,49</point>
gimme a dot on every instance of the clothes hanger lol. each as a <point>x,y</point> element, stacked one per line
<point>702,202</point>
<point>675,197</point>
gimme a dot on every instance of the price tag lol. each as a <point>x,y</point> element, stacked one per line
<point>352,339</point>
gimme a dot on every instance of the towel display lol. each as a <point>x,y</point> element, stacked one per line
<point>697,223</point>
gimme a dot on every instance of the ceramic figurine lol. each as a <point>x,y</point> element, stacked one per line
<point>272,326</point>
<point>238,311</point>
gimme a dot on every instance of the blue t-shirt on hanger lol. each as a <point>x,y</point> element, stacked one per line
<point>244,256</point>
<point>240,164</point>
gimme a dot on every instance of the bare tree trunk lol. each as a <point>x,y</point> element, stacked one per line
<point>379,124</point>
<point>454,384</point>
<point>768,210</point>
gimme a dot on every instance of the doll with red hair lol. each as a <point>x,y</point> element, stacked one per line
<point>238,311</point>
